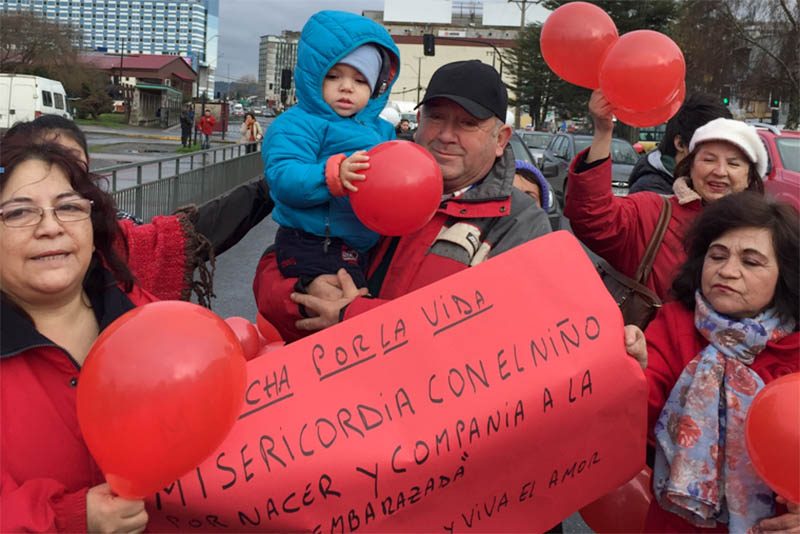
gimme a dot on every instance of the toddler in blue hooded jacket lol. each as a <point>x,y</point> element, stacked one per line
<point>312,153</point>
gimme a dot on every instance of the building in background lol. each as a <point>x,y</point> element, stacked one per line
<point>154,86</point>
<point>462,30</point>
<point>277,57</point>
<point>186,28</point>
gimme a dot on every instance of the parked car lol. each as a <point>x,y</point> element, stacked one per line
<point>24,97</point>
<point>783,172</point>
<point>522,152</point>
<point>536,143</point>
<point>562,150</point>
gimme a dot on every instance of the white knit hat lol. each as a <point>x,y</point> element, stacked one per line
<point>737,133</point>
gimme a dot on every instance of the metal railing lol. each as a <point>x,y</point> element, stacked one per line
<point>162,185</point>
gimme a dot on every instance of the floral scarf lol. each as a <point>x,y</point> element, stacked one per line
<point>702,470</point>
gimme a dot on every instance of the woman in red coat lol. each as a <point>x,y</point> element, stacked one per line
<point>63,280</point>
<point>725,156</point>
<point>54,248</point>
<point>731,330</point>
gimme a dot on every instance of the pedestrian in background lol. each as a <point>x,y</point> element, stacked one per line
<point>403,130</point>
<point>187,121</point>
<point>206,127</point>
<point>251,132</point>
<point>532,182</point>
<point>654,170</point>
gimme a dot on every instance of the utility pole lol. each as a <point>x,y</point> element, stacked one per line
<point>419,79</point>
<point>125,101</point>
<point>523,5</point>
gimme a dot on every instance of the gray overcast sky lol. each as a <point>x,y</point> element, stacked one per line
<point>243,22</point>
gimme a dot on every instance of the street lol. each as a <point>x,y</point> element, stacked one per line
<point>110,147</point>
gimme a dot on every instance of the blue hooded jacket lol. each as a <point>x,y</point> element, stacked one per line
<point>300,141</point>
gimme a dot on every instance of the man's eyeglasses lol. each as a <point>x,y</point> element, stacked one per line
<point>20,214</point>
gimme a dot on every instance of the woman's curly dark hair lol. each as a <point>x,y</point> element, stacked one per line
<point>109,241</point>
<point>745,210</point>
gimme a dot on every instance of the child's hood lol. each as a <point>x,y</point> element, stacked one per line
<point>327,37</point>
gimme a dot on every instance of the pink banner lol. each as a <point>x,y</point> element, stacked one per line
<point>498,399</point>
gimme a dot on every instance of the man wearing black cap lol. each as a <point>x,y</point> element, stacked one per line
<point>461,123</point>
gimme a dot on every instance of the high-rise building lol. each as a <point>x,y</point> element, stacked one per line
<point>187,28</point>
<point>276,54</point>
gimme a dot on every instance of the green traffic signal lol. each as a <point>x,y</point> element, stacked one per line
<point>776,103</point>
<point>726,100</point>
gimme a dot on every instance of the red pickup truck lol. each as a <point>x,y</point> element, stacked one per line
<point>783,172</point>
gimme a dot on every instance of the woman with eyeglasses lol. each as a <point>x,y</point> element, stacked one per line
<point>63,278</point>
<point>168,256</point>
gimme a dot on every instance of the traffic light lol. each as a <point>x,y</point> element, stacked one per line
<point>428,44</point>
<point>775,103</point>
<point>726,95</point>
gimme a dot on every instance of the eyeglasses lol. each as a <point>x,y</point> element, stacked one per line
<point>20,214</point>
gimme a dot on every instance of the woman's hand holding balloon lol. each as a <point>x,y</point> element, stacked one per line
<point>635,344</point>
<point>106,512</point>
<point>788,522</point>
<point>602,113</point>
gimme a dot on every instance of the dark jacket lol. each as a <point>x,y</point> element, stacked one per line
<point>187,119</point>
<point>490,218</point>
<point>649,174</point>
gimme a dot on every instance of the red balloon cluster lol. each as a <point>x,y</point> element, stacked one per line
<point>159,391</point>
<point>624,509</point>
<point>772,434</point>
<point>641,73</point>
<point>402,190</point>
<point>256,339</point>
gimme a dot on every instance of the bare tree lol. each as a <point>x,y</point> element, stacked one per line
<point>31,44</point>
<point>749,47</point>
<point>770,30</point>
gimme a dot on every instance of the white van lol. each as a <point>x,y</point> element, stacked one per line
<point>23,97</point>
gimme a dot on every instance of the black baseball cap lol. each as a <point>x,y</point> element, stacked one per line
<point>473,85</point>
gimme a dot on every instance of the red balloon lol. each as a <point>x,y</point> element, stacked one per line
<point>402,190</point>
<point>247,334</point>
<point>268,332</point>
<point>269,348</point>
<point>655,116</point>
<point>624,509</point>
<point>642,71</point>
<point>159,391</point>
<point>772,435</point>
<point>574,39</point>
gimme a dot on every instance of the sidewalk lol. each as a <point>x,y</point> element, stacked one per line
<point>173,133</point>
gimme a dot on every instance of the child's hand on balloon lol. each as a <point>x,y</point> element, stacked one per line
<point>348,169</point>
<point>601,111</point>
